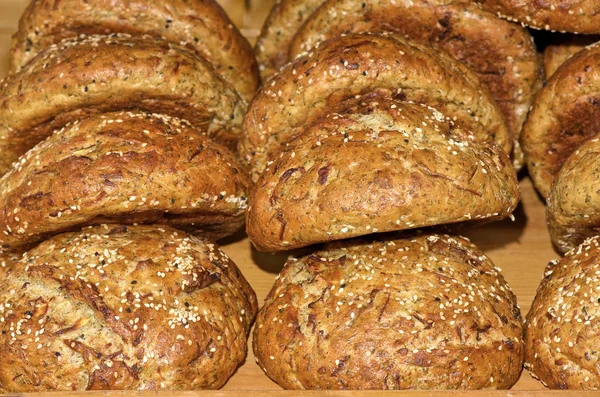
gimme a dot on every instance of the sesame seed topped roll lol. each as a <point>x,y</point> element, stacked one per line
<point>406,312</point>
<point>123,307</point>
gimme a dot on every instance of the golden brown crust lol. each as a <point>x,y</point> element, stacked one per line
<point>502,54</point>
<point>426,312</point>
<point>7,261</point>
<point>123,307</point>
<point>122,167</point>
<point>575,16</point>
<point>563,48</point>
<point>561,330</point>
<point>383,166</point>
<point>201,25</point>
<point>358,64</point>
<point>108,73</point>
<point>565,114</point>
<point>573,210</point>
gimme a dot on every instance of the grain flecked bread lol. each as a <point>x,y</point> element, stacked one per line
<point>385,165</point>
<point>201,25</point>
<point>341,68</point>
<point>575,16</point>
<point>107,73</point>
<point>565,114</point>
<point>424,312</point>
<point>573,210</point>
<point>561,330</point>
<point>502,54</point>
<point>123,307</point>
<point>122,167</point>
<point>563,48</point>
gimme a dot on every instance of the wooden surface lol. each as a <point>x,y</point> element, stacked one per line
<point>521,248</point>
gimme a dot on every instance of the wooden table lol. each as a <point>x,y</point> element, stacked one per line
<point>521,248</point>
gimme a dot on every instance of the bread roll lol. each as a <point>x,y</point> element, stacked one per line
<point>501,54</point>
<point>123,307</point>
<point>575,16</point>
<point>382,166</point>
<point>563,48</point>
<point>202,26</point>
<point>122,167</point>
<point>565,114</point>
<point>561,331</point>
<point>107,73</point>
<point>573,210</point>
<point>357,64</point>
<point>426,312</point>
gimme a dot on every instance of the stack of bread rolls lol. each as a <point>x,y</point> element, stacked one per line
<point>119,128</point>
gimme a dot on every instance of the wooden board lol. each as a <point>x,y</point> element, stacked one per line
<point>521,248</point>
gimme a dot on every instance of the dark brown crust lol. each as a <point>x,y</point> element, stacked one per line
<point>107,73</point>
<point>127,168</point>
<point>383,166</point>
<point>565,114</point>
<point>502,54</point>
<point>123,307</point>
<point>342,68</point>
<point>429,312</point>
<point>575,16</point>
<point>564,47</point>
<point>573,210</point>
<point>201,24</point>
<point>561,330</point>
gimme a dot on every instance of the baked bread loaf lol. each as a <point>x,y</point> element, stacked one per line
<point>573,210</point>
<point>202,26</point>
<point>561,331</point>
<point>106,73</point>
<point>565,114</point>
<point>122,167</point>
<point>123,307</point>
<point>381,166</point>
<point>563,48</point>
<point>344,67</point>
<point>502,54</point>
<point>575,16</point>
<point>424,312</point>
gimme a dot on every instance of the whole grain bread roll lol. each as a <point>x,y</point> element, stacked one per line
<point>573,210</point>
<point>561,330</point>
<point>381,166</point>
<point>122,167</point>
<point>123,307</point>
<point>423,312</point>
<point>202,26</point>
<point>565,114</point>
<point>564,47</point>
<point>502,54</point>
<point>357,64</point>
<point>575,16</point>
<point>106,73</point>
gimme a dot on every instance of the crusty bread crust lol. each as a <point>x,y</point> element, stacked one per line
<point>425,312</point>
<point>108,73</point>
<point>7,261</point>
<point>382,165</point>
<point>122,167</point>
<point>563,48</point>
<point>202,26</point>
<point>123,307</point>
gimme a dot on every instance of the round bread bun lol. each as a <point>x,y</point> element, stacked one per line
<point>561,330</point>
<point>424,312</point>
<point>357,64</point>
<point>502,54</point>
<point>122,167</point>
<point>108,73</point>
<point>573,209</point>
<point>123,307</point>
<point>575,16</point>
<point>202,26</point>
<point>565,114</point>
<point>564,47</point>
<point>384,165</point>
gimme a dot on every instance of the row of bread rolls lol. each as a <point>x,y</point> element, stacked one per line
<point>119,114</point>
